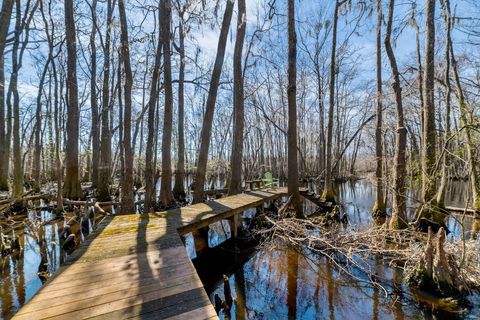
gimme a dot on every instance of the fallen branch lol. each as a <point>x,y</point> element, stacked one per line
<point>353,250</point>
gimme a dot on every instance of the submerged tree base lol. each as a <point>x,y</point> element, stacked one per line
<point>396,223</point>
<point>431,216</point>
<point>328,195</point>
<point>379,210</point>
<point>437,272</point>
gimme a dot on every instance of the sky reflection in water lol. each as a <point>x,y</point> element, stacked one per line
<point>281,284</point>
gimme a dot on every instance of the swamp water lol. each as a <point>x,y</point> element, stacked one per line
<point>22,274</point>
<point>279,283</point>
<point>272,284</point>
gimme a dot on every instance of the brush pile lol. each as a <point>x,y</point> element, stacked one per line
<point>454,265</point>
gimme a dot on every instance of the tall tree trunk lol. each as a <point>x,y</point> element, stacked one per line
<point>420,76</point>
<point>72,183</point>
<point>399,207</point>
<point>152,103</point>
<point>166,195</point>
<point>58,158</point>
<point>292,112</point>
<point>103,193</point>
<point>94,99</point>
<point>38,130</point>
<point>210,105</point>
<point>179,187</point>
<point>127,189</point>
<point>429,133</point>
<point>379,206</point>
<point>13,90</point>
<point>238,104</point>
<point>328,193</point>
<point>429,209</point>
<point>321,111</point>
<point>446,157</point>
<point>466,119</point>
<point>5,17</point>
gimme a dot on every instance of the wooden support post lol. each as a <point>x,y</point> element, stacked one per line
<point>200,238</point>
<point>260,209</point>
<point>234,222</point>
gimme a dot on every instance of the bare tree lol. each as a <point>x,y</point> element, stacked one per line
<point>5,17</point>
<point>429,174</point>
<point>38,128</point>
<point>448,97</point>
<point>152,102</point>
<point>379,205</point>
<point>71,183</point>
<point>429,134</point>
<point>95,130</point>
<point>210,105</point>
<point>179,188</point>
<point>238,104</point>
<point>466,119</point>
<point>166,195</point>
<point>399,208</point>
<point>127,187</point>
<point>328,193</point>
<point>103,193</point>
<point>292,112</point>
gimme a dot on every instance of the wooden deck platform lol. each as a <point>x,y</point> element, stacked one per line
<point>136,266</point>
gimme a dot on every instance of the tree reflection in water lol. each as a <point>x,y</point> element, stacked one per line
<point>280,283</point>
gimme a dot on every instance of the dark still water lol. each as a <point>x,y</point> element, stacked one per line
<point>277,283</point>
<point>41,236</point>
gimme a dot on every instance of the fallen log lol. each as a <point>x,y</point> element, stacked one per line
<point>26,197</point>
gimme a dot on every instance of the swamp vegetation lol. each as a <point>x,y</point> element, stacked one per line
<point>369,109</point>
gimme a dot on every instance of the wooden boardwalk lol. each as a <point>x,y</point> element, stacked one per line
<point>136,266</point>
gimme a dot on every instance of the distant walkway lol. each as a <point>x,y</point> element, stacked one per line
<point>136,266</point>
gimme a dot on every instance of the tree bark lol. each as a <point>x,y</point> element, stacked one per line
<point>210,105</point>
<point>446,158</point>
<point>58,158</point>
<point>429,209</point>
<point>166,195</point>
<point>328,193</point>
<point>238,104</point>
<point>5,17</point>
<point>292,112</point>
<point>128,205</point>
<point>399,208</point>
<point>38,130</point>
<point>152,103</point>
<point>466,120</point>
<point>71,183</point>
<point>103,193</point>
<point>179,187</point>
<point>93,98</point>
<point>429,133</point>
<point>21,24</point>
<point>379,206</point>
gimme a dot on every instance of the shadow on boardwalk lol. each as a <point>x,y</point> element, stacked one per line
<point>136,266</point>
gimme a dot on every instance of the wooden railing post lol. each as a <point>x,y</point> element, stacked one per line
<point>200,238</point>
<point>234,222</point>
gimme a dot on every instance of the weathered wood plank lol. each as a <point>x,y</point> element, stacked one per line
<point>197,314</point>
<point>163,307</point>
<point>119,275</point>
<point>104,295</point>
<point>127,304</point>
<point>135,266</point>
<point>224,208</point>
<point>165,258</point>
